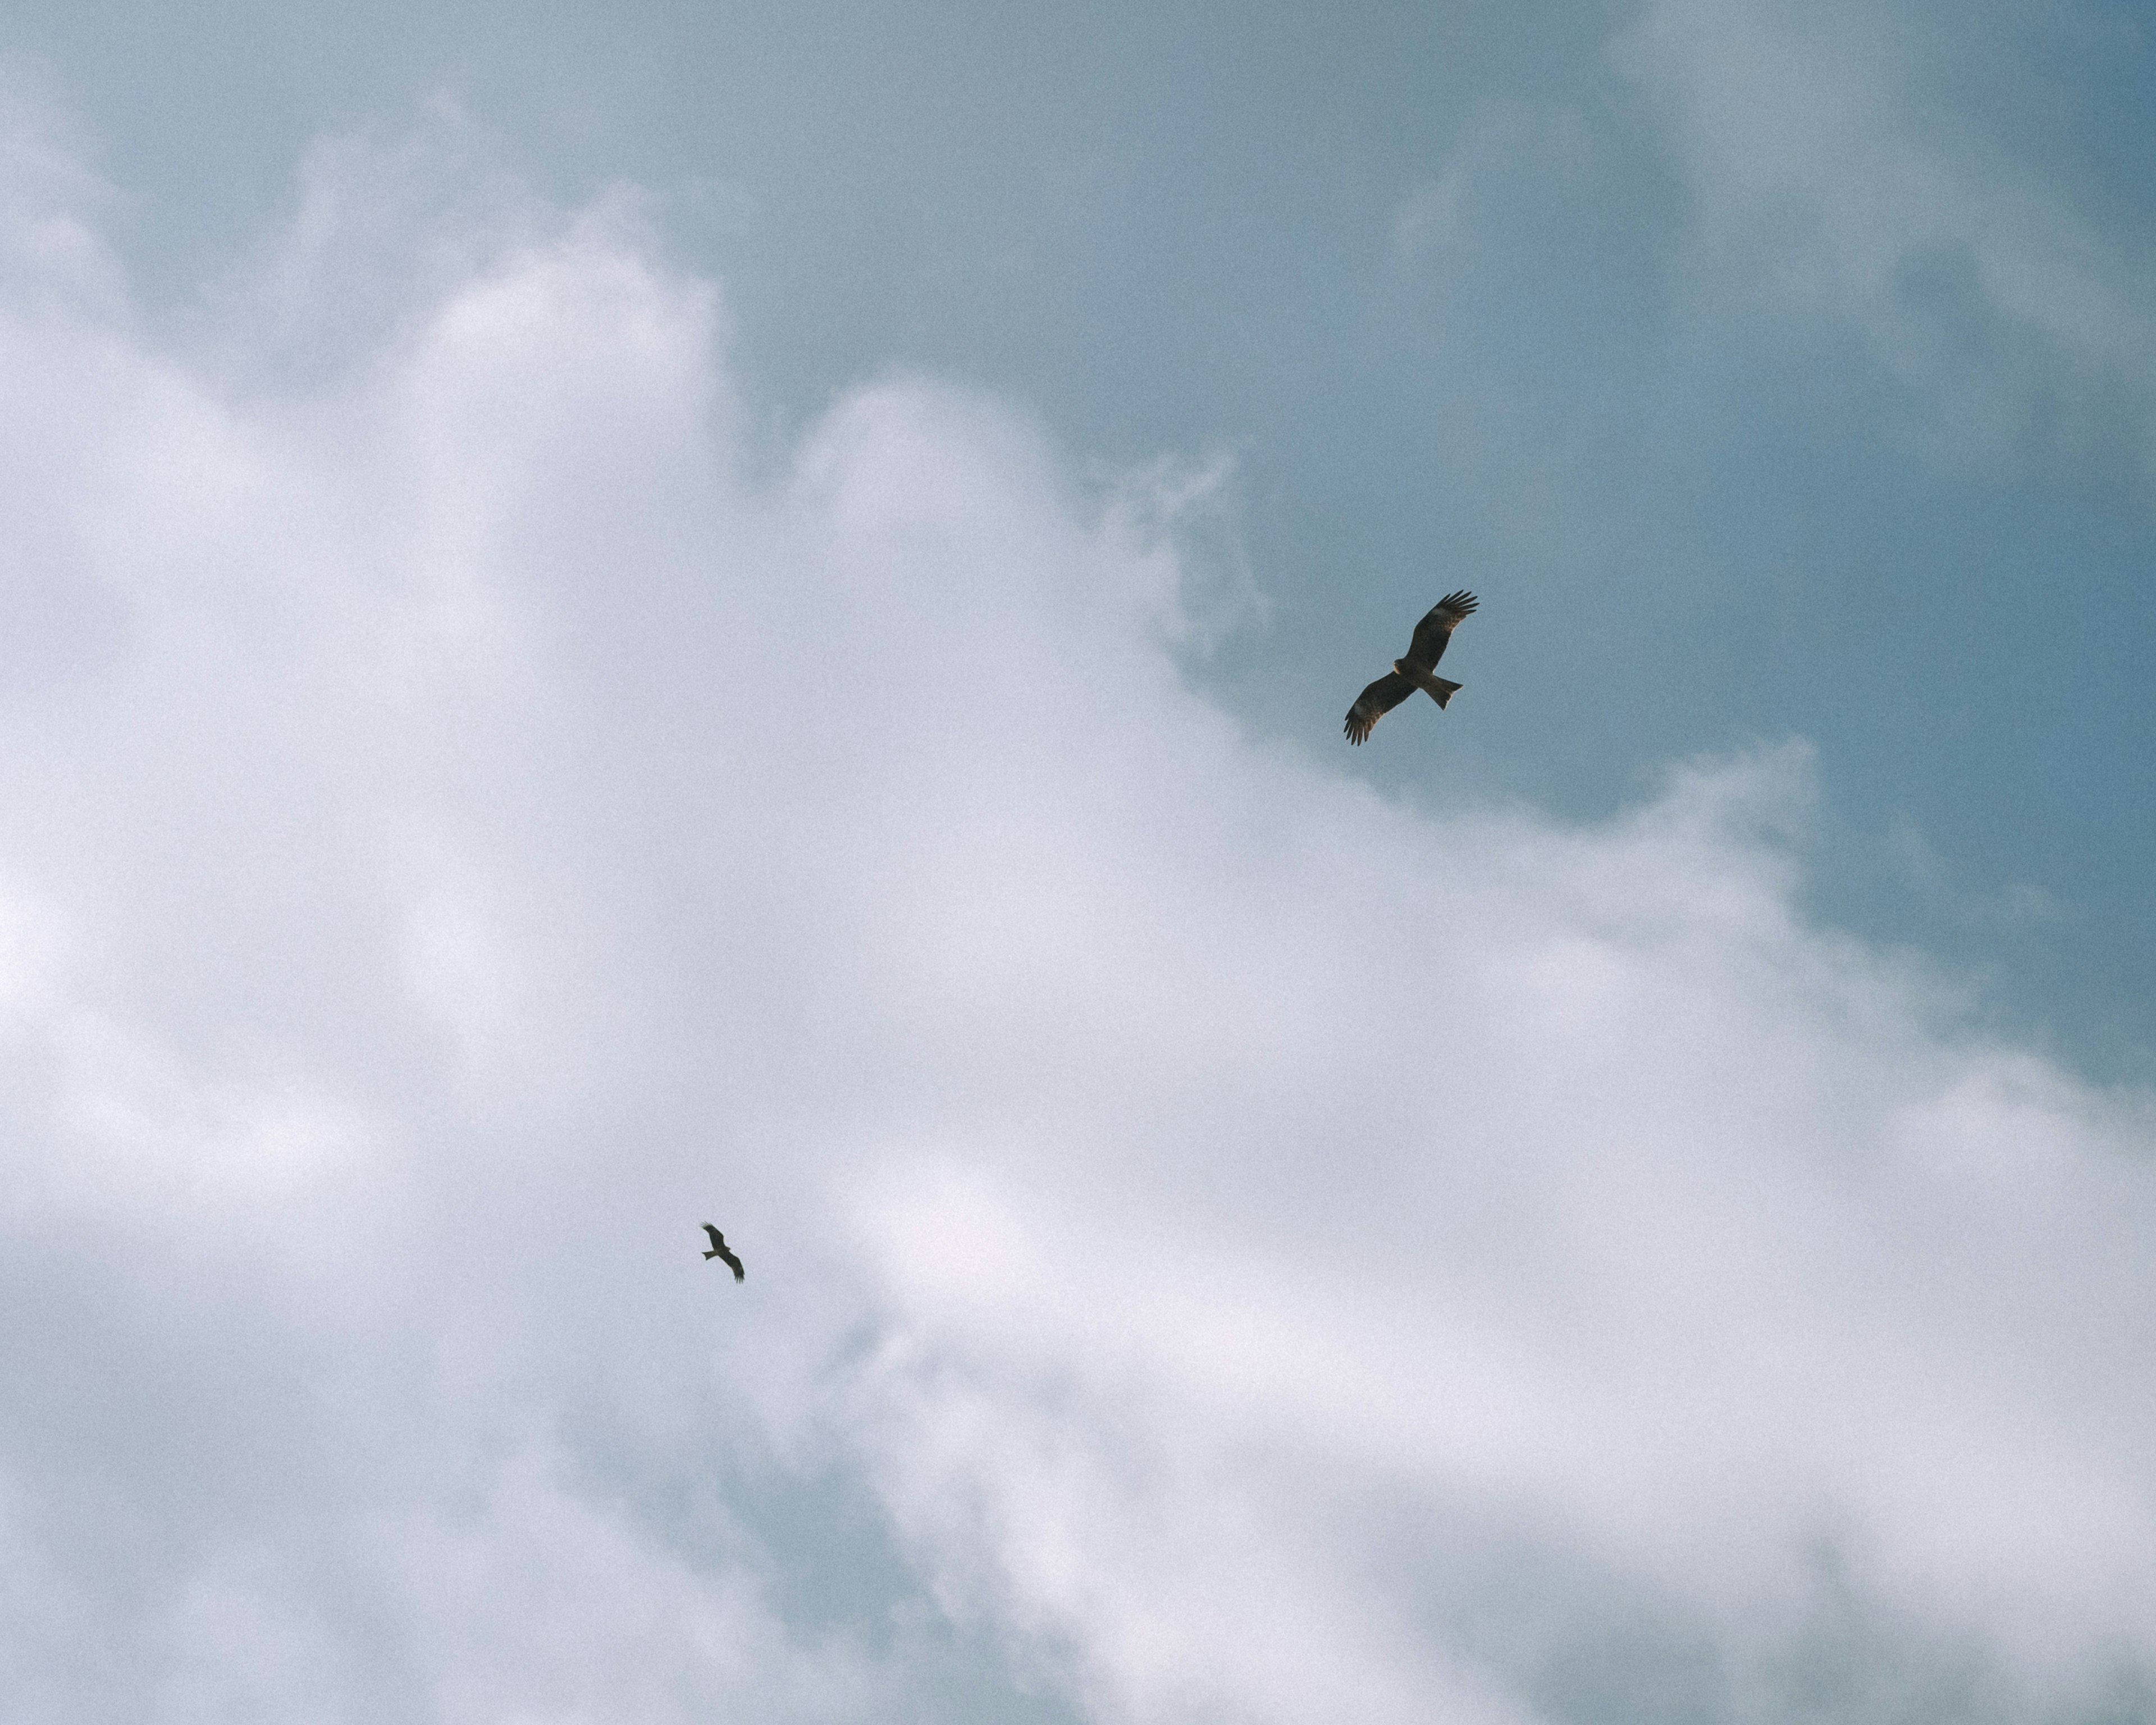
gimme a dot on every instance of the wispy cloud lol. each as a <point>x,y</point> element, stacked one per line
<point>1824,183</point>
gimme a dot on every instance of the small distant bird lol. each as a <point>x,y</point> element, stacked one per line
<point>1414,672</point>
<point>719,1250</point>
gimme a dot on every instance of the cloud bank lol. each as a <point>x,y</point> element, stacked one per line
<point>1221,1244</point>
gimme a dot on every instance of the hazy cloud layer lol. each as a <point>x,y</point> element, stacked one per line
<point>1221,1244</point>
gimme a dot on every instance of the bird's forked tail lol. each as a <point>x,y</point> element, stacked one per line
<point>1440,690</point>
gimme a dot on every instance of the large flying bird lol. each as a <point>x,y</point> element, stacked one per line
<point>719,1250</point>
<point>1414,672</point>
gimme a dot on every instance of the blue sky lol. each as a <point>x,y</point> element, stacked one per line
<point>625,614</point>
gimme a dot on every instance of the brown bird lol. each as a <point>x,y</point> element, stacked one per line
<point>1414,672</point>
<point>719,1250</point>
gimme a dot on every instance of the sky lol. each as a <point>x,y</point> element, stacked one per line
<point>619,618</point>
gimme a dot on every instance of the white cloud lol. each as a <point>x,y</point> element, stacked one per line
<point>1234,1246</point>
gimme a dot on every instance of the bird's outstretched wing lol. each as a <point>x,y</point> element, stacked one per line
<point>1380,698</point>
<point>1435,629</point>
<point>719,1250</point>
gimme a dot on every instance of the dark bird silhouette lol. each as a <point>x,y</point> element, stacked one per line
<point>719,1250</point>
<point>1414,672</point>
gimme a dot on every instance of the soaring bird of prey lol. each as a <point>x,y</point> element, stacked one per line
<point>719,1250</point>
<point>1414,672</point>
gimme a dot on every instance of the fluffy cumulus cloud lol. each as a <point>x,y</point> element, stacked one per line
<point>1221,1243</point>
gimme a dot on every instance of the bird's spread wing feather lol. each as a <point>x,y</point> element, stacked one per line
<point>1380,698</point>
<point>1435,629</point>
<point>724,1254</point>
